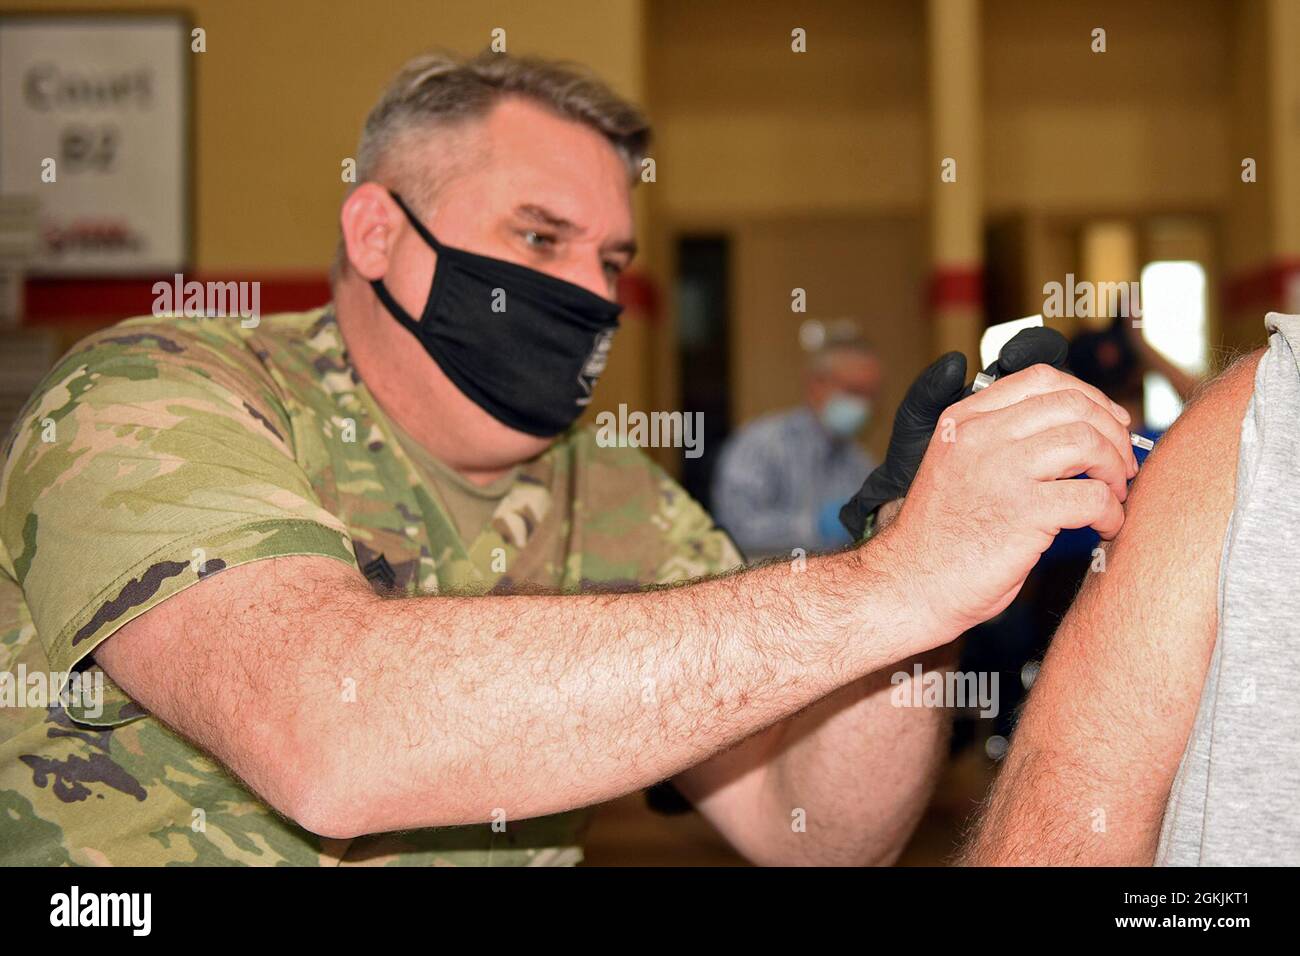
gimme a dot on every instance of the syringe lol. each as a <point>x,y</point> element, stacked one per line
<point>983,380</point>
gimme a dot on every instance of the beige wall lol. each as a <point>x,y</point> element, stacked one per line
<point>1141,126</point>
<point>745,126</point>
<point>871,268</point>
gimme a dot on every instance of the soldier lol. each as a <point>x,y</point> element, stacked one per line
<point>364,593</point>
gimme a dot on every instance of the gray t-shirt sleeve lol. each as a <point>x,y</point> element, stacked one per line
<point>1234,801</point>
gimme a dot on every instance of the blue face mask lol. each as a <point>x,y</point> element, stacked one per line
<point>845,415</point>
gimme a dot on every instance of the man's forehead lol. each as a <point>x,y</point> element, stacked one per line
<point>545,166</point>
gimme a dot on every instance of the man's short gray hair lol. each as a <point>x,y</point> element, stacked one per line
<point>831,340</point>
<point>439,90</point>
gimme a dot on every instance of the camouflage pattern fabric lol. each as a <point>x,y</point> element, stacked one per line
<point>163,450</point>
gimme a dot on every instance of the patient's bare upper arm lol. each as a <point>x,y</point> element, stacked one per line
<point>1101,737</point>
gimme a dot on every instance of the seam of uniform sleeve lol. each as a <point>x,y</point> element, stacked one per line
<point>317,539</point>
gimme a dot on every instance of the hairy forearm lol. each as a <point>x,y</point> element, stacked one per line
<point>841,782</point>
<point>860,767</point>
<point>546,703</point>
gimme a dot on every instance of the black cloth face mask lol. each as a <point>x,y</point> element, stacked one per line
<point>533,361</point>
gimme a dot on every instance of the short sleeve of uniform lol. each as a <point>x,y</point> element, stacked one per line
<point>149,458</point>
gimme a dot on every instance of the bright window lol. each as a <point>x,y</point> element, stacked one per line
<point>1173,322</point>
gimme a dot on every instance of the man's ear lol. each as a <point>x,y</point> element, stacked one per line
<point>371,222</point>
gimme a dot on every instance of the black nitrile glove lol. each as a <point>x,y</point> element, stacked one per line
<point>940,385</point>
<point>1038,346</point>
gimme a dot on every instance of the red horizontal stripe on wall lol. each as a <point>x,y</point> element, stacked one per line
<point>70,300</point>
<point>1265,287</point>
<point>956,286</point>
<point>51,300</point>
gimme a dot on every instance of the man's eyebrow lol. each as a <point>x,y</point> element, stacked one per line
<point>544,216</point>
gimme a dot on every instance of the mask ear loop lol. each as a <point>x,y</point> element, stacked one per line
<point>381,291</point>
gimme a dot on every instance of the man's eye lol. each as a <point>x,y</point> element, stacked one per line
<point>613,269</point>
<point>538,240</point>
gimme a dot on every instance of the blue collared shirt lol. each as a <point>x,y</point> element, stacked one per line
<point>781,479</point>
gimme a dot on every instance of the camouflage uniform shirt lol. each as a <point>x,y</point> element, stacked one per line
<point>163,450</point>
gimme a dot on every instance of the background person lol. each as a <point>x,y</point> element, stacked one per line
<point>783,478</point>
